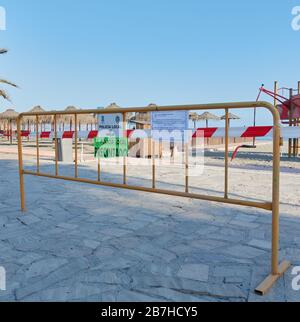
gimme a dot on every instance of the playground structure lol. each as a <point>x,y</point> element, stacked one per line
<point>277,270</point>
<point>289,109</point>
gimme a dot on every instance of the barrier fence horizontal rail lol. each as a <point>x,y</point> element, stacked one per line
<point>260,205</point>
<point>277,270</point>
<point>210,132</point>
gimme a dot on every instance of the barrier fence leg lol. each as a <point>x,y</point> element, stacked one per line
<point>21,171</point>
<point>277,269</point>
<point>226,152</point>
<point>37,145</point>
<point>125,158</point>
<point>76,146</point>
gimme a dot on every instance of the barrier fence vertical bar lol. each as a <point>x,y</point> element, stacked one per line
<point>226,152</point>
<point>37,145</point>
<point>125,158</point>
<point>294,140</point>
<point>21,170</point>
<point>99,169</point>
<point>297,124</point>
<point>276,270</point>
<point>186,166</point>
<point>10,131</point>
<point>98,156</point>
<point>275,104</point>
<point>290,124</point>
<point>275,197</point>
<point>153,165</point>
<point>56,145</point>
<point>76,146</point>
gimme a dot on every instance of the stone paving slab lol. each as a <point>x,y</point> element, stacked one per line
<point>84,243</point>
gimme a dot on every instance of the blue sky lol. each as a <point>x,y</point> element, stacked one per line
<point>135,52</point>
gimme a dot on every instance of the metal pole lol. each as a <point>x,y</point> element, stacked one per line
<point>76,146</point>
<point>226,152</point>
<point>153,165</point>
<point>297,141</point>
<point>99,168</point>
<point>21,170</point>
<point>290,123</point>
<point>254,124</point>
<point>277,270</point>
<point>186,166</point>
<point>276,195</point>
<point>10,131</point>
<point>124,158</point>
<point>37,145</point>
<point>56,145</point>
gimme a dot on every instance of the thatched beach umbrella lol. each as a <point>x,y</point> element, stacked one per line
<point>10,115</point>
<point>207,116</point>
<point>230,117</point>
<point>32,119</point>
<point>88,119</point>
<point>194,117</point>
<point>68,118</point>
<point>113,105</point>
<point>129,116</point>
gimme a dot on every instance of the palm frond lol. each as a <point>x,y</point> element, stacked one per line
<point>4,81</point>
<point>4,95</point>
<point>3,51</point>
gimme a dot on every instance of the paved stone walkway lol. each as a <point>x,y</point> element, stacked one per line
<point>85,243</point>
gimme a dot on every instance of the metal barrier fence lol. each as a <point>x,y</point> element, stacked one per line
<point>277,270</point>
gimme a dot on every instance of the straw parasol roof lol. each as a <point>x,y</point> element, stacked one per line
<point>194,117</point>
<point>231,117</point>
<point>208,116</point>
<point>113,105</point>
<point>37,109</point>
<point>9,115</point>
<point>68,118</point>
<point>129,116</point>
<point>71,109</point>
<point>82,118</point>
